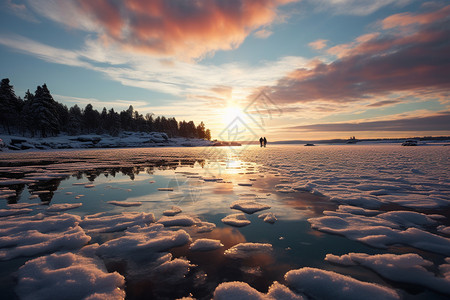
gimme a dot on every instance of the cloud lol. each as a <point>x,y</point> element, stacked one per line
<point>383,103</point>
<point>436,122</point>
<point>20,10</point>
<point>355,7</point>
<point>263,33</point>
<point>376,65</point>
<point>318,44</point>
<point>187,29</point>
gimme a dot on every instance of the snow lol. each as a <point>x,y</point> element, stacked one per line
<point>125,139</point>
<point>248,206</point>
<point>205,245</point>
<point>409,268</point>
<point>38,234</point>
<point>268,217</point>
<point>172,212</point>
<point>205,227</point>
<point>178,220</point>
<point>125,203</point>
<point>245,250</point>
<point>175,269</point>
<point>63,206</point>
<point>237,220</point>
<point>237,290</point>
<point>378,232</point>
<point>14,211</point>
<point>153,238</point>
<point>444,229</point>
<point>110,223</point>
<point>357,210</point>
<point>322,284</point>
<point>68,274</point>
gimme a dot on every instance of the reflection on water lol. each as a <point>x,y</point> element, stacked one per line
<point>201,188</point>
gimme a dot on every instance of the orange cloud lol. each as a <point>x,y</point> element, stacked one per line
<point>377,64</point>
<point>406,19</point>
<point>318,45</point>
<point>189,29</point>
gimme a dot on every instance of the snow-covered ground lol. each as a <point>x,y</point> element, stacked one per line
<point>395,200</point>
<point>123,140</point>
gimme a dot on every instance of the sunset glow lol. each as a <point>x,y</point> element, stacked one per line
<point>333,68</point>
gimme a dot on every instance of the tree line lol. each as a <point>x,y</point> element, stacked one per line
<point>38,114</point>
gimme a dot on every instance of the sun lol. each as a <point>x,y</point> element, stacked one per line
<point>230,113</point>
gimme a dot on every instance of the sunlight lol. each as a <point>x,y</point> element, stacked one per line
<point>230,113</point>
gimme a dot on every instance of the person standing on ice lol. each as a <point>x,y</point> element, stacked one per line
<point>261,141</point>
<point>265,142</point>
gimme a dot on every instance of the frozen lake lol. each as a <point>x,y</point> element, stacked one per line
<point>178,222</point>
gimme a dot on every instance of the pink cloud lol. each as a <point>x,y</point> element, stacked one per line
<point>375,65</point>
<point>180,28</point>
<point>318,45</point>
<point>406,19</point>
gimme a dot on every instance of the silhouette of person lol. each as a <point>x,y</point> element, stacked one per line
<point>265,142</point>
<point>261,141</point>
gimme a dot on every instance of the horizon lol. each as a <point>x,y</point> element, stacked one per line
<point>284,69</point>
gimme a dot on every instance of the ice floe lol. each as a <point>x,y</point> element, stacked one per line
<point>379,232</point>
<point>268,217</point>
<point>248,206</point>
<point>70,276</point>
<point>205,245</point>
<point>245,250</point>
<point>237,220</point>
<point>173,211</point>
<point>242,290</point>
<point>63,206</point>
<point>322,284</point>
<point>125,203</point>
<point>409,268</point>
<point>102,222</point>
<point>14,211</point>
<point>144,240</point>
<point>205,227</point>
<point>178,220</point>
<point>31,235</point>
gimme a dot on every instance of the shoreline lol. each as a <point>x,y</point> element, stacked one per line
<point>13,143</point>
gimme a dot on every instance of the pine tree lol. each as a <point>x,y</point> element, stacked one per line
<point>8,105</point>
<point>43,108</point>
<point>75,120</point>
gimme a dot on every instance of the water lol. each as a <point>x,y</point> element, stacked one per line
<point>98,176</point>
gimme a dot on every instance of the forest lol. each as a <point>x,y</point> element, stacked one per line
<point>38,114</point>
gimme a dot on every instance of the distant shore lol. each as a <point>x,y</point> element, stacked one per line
<point>123,140</point>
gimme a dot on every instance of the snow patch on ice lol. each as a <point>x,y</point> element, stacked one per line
<point>110,223</point>
<point>70,275</point>
<point>381,233</point>
<point>14,211</point>
<point>245,250</point>
<point>268,217</point>
<point>125,203</point>
<point>173,211</point>
<point>205,245</point>
<point>248,206</point>
<point>153,238</point>
<point>322,284</point>
<point>205,227</point>
<point>409,268</point>
<point>237,220</point>
<point>240,290</point>
<point>178,220</point>
<point>31,235</point>
<point>63,206</point>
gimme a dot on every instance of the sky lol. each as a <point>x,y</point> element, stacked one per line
<point>284,69</point>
